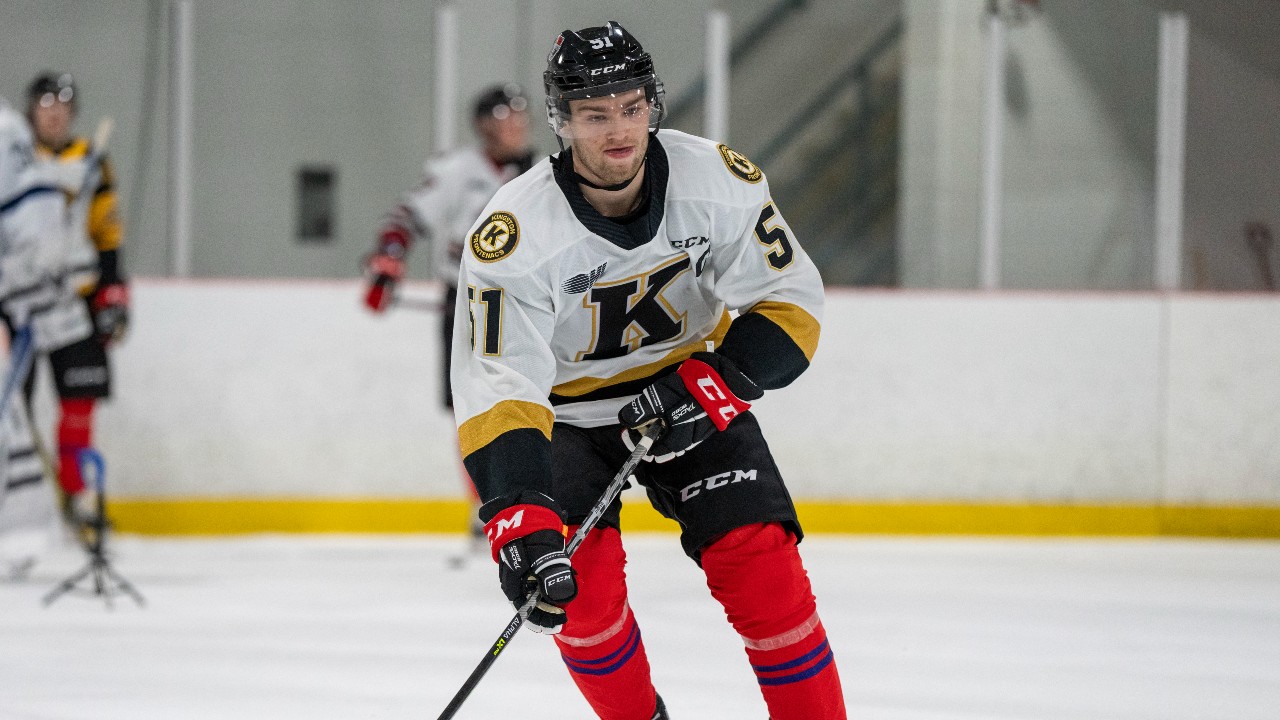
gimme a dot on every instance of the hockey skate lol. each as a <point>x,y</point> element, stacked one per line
<point>17,570</point>
<point>660,712</point>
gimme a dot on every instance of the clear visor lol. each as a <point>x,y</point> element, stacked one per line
<point>513,107</point>
<point>595,116</point>
<point>63,95</point>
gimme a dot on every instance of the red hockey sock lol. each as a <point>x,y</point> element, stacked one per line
<point>601,642</point>
<point>756,574</point>
<point>75,432</point>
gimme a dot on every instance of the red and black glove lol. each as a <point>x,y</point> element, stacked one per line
<point>111,312</point>
<point>385,267</point>
<point>526,533</point>
<point>701,397</point>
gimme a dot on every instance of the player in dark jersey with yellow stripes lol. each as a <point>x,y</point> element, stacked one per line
<point>80,370</point>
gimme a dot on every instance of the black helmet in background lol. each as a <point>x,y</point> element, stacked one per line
<point>500,101</point>
<point>48,88</point>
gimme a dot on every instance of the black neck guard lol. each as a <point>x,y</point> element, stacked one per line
<point>624,236</point>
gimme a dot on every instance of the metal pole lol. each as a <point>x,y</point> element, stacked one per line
<point>180,118</point>
<point>1171,149</point>
<point>716,107</point>
<point>446,76</point>
<point>992,150</point>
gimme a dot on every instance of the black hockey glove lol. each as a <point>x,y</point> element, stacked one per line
<point>701,397</point>
<point>526,532</point>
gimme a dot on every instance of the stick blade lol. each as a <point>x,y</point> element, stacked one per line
<point>102,135</point>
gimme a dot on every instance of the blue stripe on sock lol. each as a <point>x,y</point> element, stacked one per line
<point>802,675</point>
<point>788,665</point>
<point>583,667</point>
<point>634,629</point>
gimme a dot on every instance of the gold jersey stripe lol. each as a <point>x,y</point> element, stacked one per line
<point>802,327</point>
<point>507,415</point>
<point>584,385</point>
<point>76,149</point>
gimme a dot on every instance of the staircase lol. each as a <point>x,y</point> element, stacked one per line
<point>814,101</point>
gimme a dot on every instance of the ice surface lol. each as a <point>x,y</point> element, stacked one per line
<point>318,627</point>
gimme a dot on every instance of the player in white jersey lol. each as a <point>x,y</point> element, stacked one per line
<point>638,275</point>
<point>81,370</point>
<point>32,229</point>
<point>454,189</point>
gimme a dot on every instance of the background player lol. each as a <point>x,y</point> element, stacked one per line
<point>81,372</point>
<point>613,269</point>
<point>32,217</point>
<point>441,209</point>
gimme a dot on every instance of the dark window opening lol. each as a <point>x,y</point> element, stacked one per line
<point>317,193</point>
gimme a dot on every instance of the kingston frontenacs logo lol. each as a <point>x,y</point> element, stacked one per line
<point>496,238</point>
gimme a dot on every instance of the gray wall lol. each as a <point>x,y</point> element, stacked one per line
<point>295,82</point>
<point>1078,156</point>
<point>1233,154</point>
<point>1080,110</point>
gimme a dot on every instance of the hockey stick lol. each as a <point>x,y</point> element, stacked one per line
<point>21,352</point>
<point>417,303</point>
<point>93,173</point>
<point>21,355</point>
<point>597,511</point>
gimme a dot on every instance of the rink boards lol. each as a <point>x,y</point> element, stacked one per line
<point>245,406</point>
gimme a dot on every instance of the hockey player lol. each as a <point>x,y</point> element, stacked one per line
<point>640,275</point>
<point>81,372</point>
<point>32,227</point>
<point>440,210</point>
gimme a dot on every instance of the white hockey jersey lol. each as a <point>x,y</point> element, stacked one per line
<point>32,223</point>
<point>566,315</point>
<point>454,190</point>
<point>30,214</point>
<point>34,238</point>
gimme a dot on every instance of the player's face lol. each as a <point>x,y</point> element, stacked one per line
<point>610,135</point>
<point>51,120</point>
<point>506,133</point>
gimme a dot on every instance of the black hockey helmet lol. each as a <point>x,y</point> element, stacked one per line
<point>597,62</point>
<point>500,101</point>
<point>48,88</point>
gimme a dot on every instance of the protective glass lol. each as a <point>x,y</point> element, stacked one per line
<point>63,95</point>
<point>595,116</point>
<point>515,107</point>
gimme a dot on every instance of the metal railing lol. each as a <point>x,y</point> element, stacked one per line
<point>837,182</point>
<point>752,39</point>
<point>855,74</point>
<point>840,192</point>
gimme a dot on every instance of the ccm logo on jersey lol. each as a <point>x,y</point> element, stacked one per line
<point>496,238</point>
<point>689,242</point>
<point>715,481</point>
<point>608,69</point>
<point>739,165</point>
